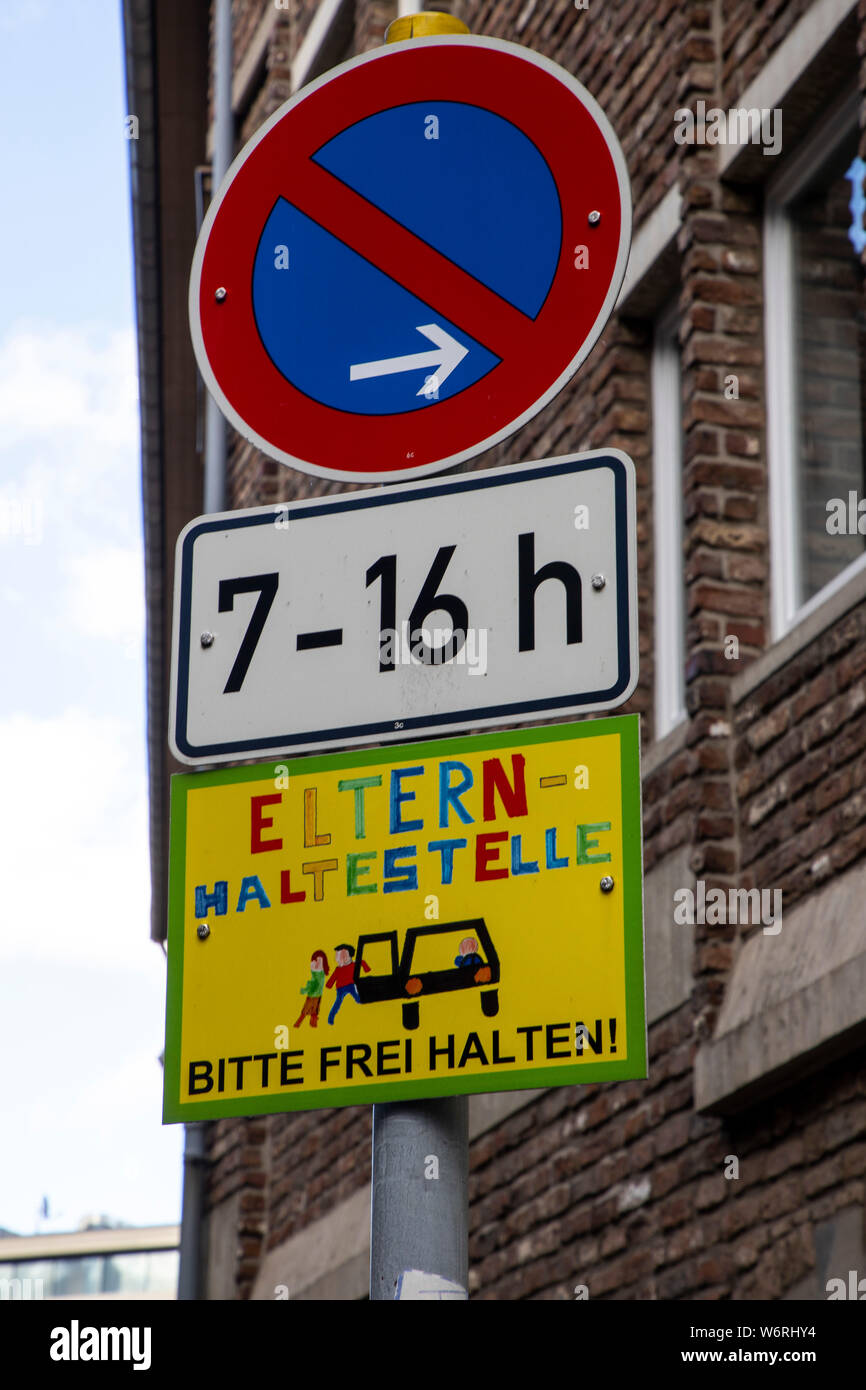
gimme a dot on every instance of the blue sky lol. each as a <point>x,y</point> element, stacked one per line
<point>81,985</point>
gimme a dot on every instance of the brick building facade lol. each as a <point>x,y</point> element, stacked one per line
<point>732,373</point>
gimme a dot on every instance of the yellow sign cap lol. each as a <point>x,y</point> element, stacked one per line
<point>424,26</point>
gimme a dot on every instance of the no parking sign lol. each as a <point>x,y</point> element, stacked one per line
<point>410,258</point>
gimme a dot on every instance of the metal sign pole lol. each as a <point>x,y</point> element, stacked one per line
<point>419,1243</point>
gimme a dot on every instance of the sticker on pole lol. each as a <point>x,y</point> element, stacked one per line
<point>410,258</point>
<point>432,920</point>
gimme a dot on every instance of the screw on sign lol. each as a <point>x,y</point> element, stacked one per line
<point>410,258</point>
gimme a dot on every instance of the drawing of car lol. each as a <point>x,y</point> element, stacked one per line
<point>427,967</point>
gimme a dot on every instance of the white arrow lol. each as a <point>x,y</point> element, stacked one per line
<point>448,355</point>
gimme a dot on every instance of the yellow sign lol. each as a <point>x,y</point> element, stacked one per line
<point>456,916</point>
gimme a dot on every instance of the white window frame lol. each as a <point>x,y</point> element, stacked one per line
<point>780,289</point>
<point>667,445</point>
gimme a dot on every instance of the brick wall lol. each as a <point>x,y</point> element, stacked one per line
<point>628,55</point>
<point>724,482</point>
<point>238,1169</point>
<point>801,765</point>
<point>622,1187</point>
<point>245,21</point>
<point>371,20</point>
<point>313,1171</point>
<point>751,31</point>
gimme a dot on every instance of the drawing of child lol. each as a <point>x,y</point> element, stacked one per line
<point>313,988</point>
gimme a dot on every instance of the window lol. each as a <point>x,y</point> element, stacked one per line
<point>668,525</point>
<point>815,337</point>
<point>152,1272</point>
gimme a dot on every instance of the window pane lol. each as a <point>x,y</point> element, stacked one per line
<point>831,365</point>
<point>80,1274</point>
<point>129,1272</point>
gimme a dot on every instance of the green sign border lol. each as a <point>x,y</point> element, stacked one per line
<point>627,727</point>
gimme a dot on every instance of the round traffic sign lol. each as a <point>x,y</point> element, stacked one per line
<point>410,258</point>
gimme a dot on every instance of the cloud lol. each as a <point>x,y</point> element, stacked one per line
<point>73,826</point>
<point>69,431</point>
<point>121,1078</point>
<point>19,14</point>
<point>70,518</point>
<point>77,384</point>
<point>102,1108</point>
<point>106,594</point>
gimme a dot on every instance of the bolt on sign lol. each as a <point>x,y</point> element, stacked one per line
<point>440,919</point>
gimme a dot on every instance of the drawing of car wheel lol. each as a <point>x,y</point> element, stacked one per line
<point>490,1003</point>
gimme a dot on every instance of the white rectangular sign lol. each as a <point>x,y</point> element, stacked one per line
<point>497,597</point>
